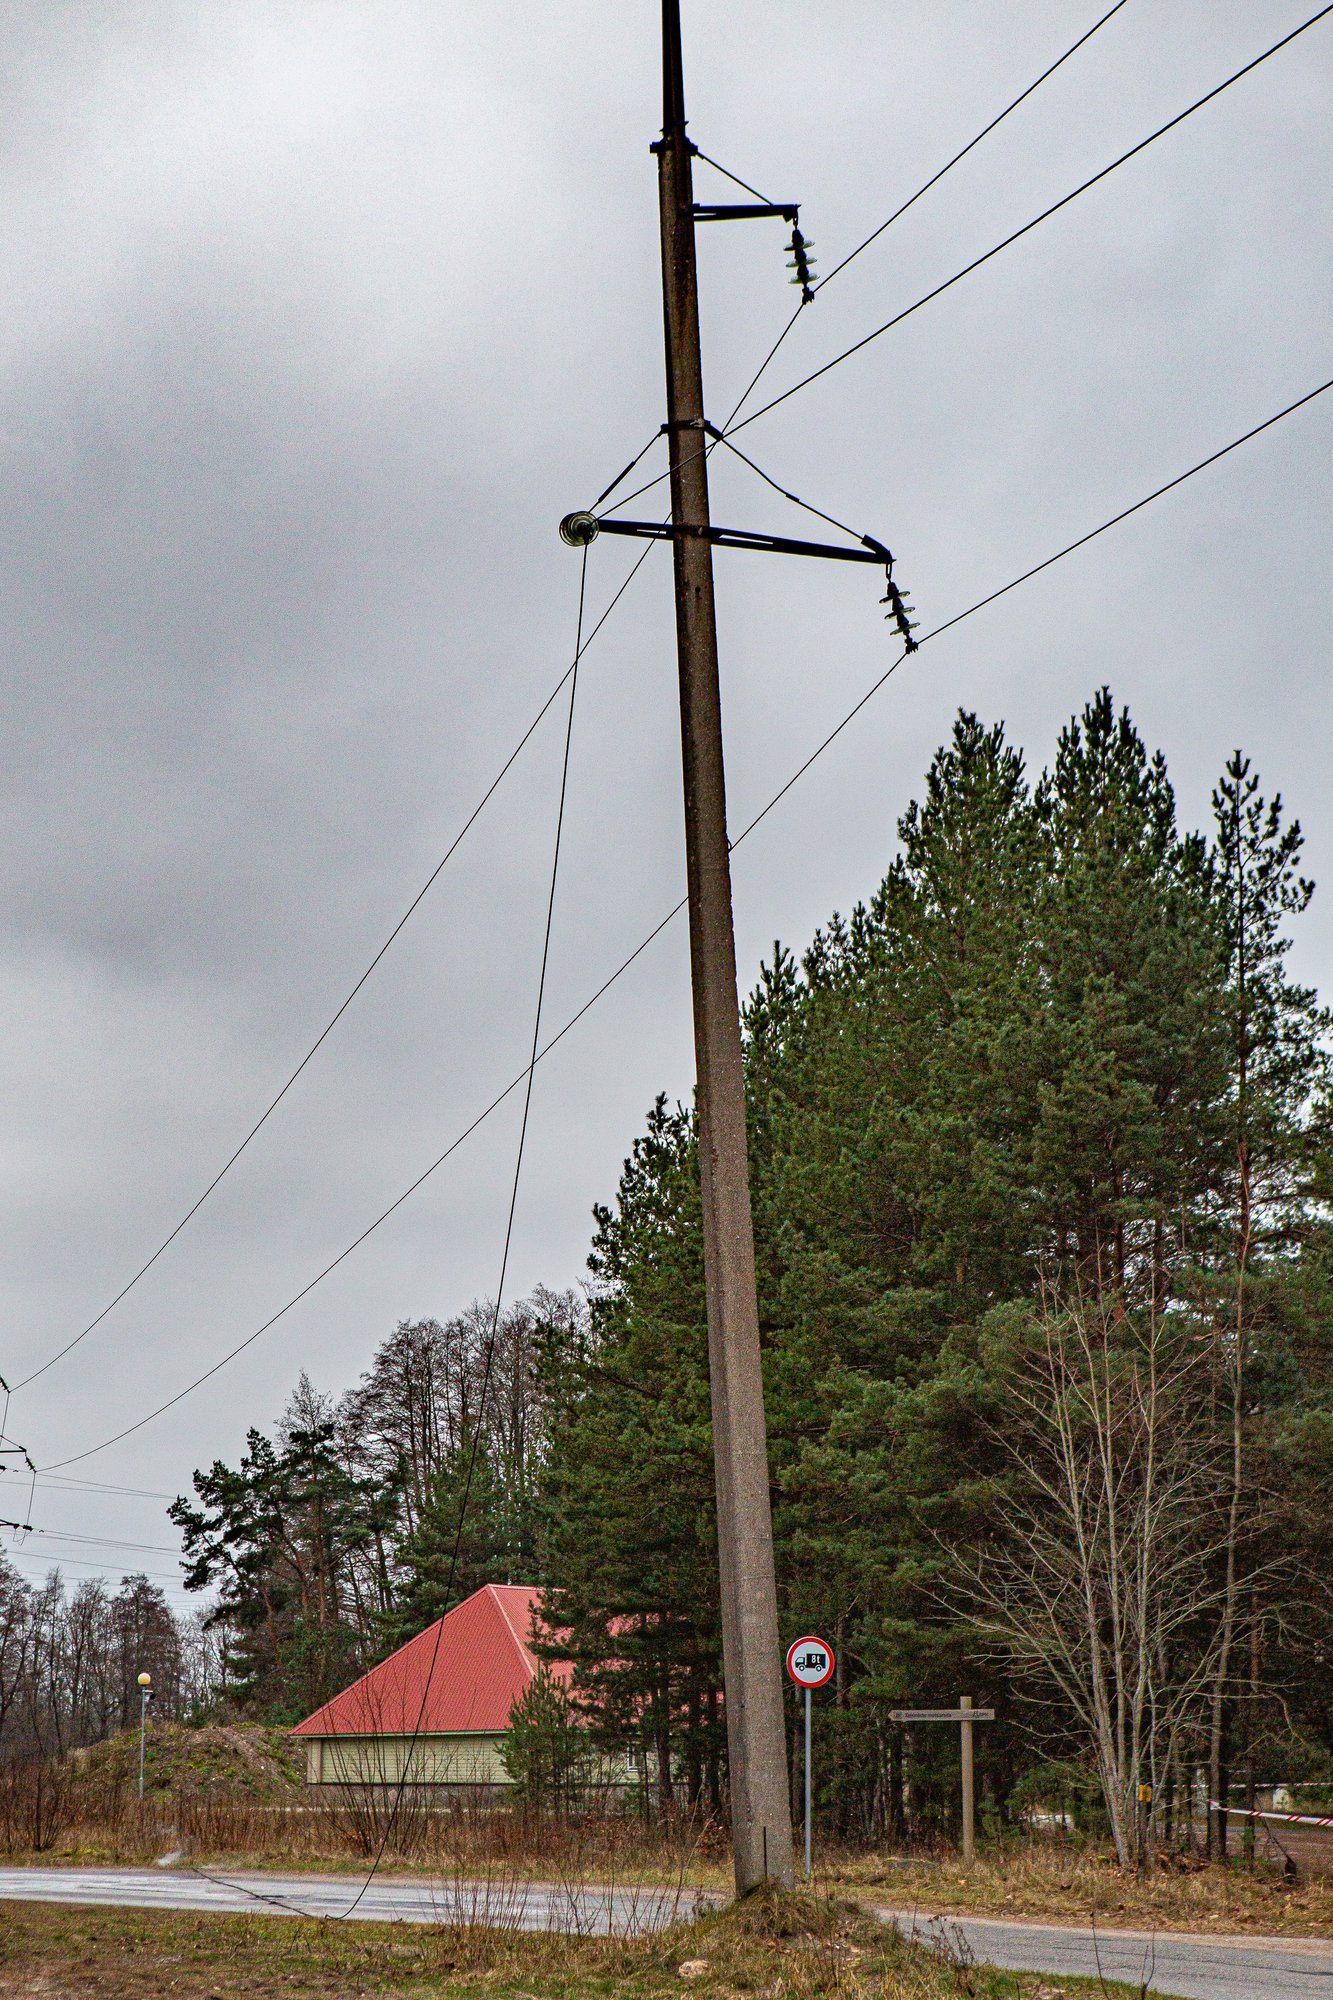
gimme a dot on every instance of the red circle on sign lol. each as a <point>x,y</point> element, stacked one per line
<point>810,1661</point>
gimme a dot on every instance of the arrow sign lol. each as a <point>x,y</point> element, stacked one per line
<point>941,1715</point>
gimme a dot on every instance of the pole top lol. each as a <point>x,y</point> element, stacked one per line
<point>145,1680</point>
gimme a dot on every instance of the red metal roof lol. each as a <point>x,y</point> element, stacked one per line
<point>462,1673</point>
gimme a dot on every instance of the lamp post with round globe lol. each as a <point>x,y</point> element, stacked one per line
<point>145,1696</point>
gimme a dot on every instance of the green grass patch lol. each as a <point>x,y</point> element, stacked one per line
<point>771,1948</point>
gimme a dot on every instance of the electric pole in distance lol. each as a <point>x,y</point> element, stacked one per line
<point>752,1661</point>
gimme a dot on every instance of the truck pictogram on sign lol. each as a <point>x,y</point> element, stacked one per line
<point>810,1662</point>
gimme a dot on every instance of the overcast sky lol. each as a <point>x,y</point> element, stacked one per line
<point>319,316</point>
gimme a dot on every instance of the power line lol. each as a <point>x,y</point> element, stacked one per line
<point>504,1269</point>
<point>282,1901</point>
<point>963,151</point>
<point>903,207</point>
<point>732,424</point>
<point>99,1568</point>
<point>93,1541</point>
<point>1026,577</point>
<point>332,1023</point>
<point>957,619</point>
<point>1044,216</point>
<point>60,1484</point>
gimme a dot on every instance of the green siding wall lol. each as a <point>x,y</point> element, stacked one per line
<point>383,1760</point>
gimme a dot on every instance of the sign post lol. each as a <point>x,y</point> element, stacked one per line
<point>810,1664</point>
<point>964,1715</point>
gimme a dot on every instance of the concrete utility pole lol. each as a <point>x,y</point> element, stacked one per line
<point>752,1662</point>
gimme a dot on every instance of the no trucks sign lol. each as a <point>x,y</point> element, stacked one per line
<point>810,1662</point>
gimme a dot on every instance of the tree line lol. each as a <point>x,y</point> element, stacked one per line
<point>70,1662</point>
<point>1040,1154</point>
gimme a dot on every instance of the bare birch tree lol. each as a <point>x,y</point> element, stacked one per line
<point>1103,1587</point>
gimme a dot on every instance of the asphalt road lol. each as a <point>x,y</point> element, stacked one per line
<point>529,1906</point>
<point>1195,1968</point>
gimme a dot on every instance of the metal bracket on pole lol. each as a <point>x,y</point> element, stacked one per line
<point>577,530</point>
<point>745,211</point>
<point>580,529</point>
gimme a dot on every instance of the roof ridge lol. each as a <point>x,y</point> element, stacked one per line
<point>524,1652</point>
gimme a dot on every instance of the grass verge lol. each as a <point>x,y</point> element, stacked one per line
<point>1080,1886</point>
<point>791,1948</point>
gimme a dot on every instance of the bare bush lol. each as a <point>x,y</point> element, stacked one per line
<point>36,1804</point>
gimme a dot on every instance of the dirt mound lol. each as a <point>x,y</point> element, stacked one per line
<point>216,1758</point>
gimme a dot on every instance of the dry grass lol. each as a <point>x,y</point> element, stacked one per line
<point>95,1822</point>
<point>793,1948</point>
<point>1045,1879</point>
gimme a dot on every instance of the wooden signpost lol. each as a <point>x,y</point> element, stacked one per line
<point>964,1715</point>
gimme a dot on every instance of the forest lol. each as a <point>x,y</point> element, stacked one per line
<point>1040,1156</point>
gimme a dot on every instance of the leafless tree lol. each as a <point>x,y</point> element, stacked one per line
<point>1104,1587</point>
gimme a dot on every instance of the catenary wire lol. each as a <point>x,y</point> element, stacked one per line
<point>957,619</point>
<point>332,1023</point>
<point>733,424</point>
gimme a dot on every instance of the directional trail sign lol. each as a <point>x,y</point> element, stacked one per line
<point>810,1662</point>
<point>941,1715</point>
<point>966,1715</point>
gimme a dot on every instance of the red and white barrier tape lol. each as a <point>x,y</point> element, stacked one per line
<point>1287,1819</point>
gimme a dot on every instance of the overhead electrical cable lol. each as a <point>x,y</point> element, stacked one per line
<point>92,1541</point>
<point>1045,215</point>
<point>734,424</point>
<point>49,1563</point>
<point>957,618</point>
<point>963,151</point>
<point>903,207</point>
<point>334,1019</point>
<point>58,1484</point>
<point>405,1776</point>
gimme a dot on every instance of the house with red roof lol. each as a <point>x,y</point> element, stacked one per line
<point>434,1712</point>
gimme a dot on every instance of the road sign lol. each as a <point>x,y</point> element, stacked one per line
<point>965,1714</point>
<point>810,1662</point>
<point>941,1715</point>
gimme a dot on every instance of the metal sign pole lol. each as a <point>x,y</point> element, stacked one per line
<point>807,1784</point>
<point>810,1664</point>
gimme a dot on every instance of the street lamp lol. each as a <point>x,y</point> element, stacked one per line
<point>145,1696</point>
